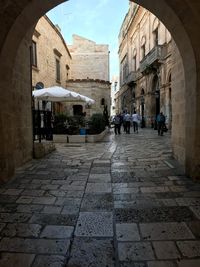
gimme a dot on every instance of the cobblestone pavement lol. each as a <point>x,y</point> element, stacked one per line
<point>123,202</point>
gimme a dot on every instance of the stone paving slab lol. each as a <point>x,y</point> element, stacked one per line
<point>98,188</point>
<point>189,263</point>
<point>14,217</point>
<point>35,246</point>
<point>16,259</point>
<point>127,232</point>
<point>92,252</point>
<point>95,224</point>
<point>167,214</point>
<point>133,264</point>
<point>54,219</point>
<point>131,251</point>
<point>166,250</point>
<point>162,264</point>
<point>101,178</point>
<point>49,261</point>
<point>99,202</point>
<point>123,177</point>
<point>21,230</point>
<point>195,228</point>
<point>189,249</point>
<point>57,231</point>
<point>165,231</point>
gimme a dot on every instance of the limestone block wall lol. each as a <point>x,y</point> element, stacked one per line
<point>136,31</point>
<point>94,89</point>
<point>50,46</point>
<point>90,60</point>
<point>16,139</point>
<point>178,106</point>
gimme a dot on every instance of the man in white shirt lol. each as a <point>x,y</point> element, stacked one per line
<point>127,119</point>
<point>136,120</point>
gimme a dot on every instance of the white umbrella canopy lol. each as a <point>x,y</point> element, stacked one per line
<point>59,94</point>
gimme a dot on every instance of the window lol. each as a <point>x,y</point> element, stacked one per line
<point>67,72</point>
<point>39,86</point>
<point>77,110</point>
<point>143,48</point>
<point>34,54</point>
<point>124,68</point>
<point>155,37</point>
<point>134,63</point>
<point>143,51</point>
<point>134,58</point>
<point>57,70</point>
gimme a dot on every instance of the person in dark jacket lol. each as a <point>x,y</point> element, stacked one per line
<point>160,123</point>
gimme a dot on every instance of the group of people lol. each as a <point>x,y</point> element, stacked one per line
<point>126,119</point>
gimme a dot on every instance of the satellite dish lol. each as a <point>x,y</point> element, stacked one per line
<point>39,86</point>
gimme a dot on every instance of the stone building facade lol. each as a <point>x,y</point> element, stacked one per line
<point>145,66</point>
<point>90,73</point>
<point>82,67</point>
<point>51,58</point>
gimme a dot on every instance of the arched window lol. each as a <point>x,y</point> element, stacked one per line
<point>124,103</point>
<point>134,59</point>
<point>143,47</point>
<point>39,86</point>
<point>155,37</point>
<point>170,78</point>
<point>155,84</point>
<point>142,92</point>
<point>155,31</point>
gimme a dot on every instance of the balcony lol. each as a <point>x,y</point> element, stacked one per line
<point>132,77</point>
<point>153,57</point>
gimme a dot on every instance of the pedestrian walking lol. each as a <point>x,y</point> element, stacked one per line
<point>160,123</point>
<point>136,120</point>
<point>123,121</point>
<point>117,124</point>
<point>128,119</point>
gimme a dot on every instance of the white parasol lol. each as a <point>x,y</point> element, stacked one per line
<point>59,94</point>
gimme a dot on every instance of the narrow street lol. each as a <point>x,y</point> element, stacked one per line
<point>123,202</point>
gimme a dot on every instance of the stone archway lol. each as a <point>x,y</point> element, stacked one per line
<point>18,19</point>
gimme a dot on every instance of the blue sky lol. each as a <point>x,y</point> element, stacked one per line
<point>97,20</point>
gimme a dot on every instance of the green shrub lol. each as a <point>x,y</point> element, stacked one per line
<point>78,121</point>
<point>97,123</point>
<point>74,123</point>
<point>59,124</point>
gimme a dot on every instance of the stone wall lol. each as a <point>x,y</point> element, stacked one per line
<point>50,46</point>
<point>138,91</point>
<point>95,89</point>
<point>16,139</point>
<point>178,106</point>
<point>90,60</point>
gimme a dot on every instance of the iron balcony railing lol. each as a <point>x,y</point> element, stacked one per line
<point>133,76</point>
<point>155,55</point>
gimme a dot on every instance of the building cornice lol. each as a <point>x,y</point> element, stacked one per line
<point>89,80</point>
